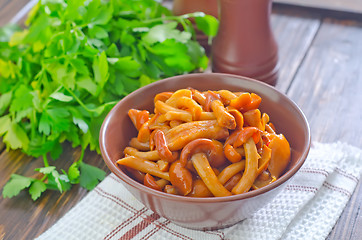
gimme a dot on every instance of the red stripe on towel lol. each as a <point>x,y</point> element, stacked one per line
<point>140,226</point>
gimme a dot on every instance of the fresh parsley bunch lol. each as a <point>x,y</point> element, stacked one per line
<point>61,74</point>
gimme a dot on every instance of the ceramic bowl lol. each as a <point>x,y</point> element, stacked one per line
<point>216,212</point>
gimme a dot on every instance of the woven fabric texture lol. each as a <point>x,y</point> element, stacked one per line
<point>307,208</point>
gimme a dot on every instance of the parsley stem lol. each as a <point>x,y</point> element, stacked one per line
<point>77,99</point>
<point>34,123</point>
<point>180,19</point>
<point>175,18</point>
<point>45,160</point>
<point>81,155</point>
<point>48,100</point>
<point>83,105</point>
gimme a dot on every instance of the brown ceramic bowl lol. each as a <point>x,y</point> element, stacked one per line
<point>205,213</point>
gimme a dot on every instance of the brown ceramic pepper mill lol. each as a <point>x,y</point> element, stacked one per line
<point>245,44</point>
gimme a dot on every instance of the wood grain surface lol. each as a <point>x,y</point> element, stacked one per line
<point>33,218</point>
<point>328,88</point>
<point>320,69</point>
<point>350,6</point>
<point>9,8</point>
<point>294,32</point>
<point>328,84</point>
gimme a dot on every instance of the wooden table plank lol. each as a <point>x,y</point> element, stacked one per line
<point>302,37</point>
<point>45,211</point>
<point>350,6</point>
<point>348,225</point>
<point>9,8</point>
<point>34,218</point>
<point>329,84</point>
<point>294,31</point>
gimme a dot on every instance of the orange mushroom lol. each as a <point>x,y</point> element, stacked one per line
<point>208,176</point>
<point>239,137</point>
<point>180,177</point>
<point>212,148</point>
<point>280,155</point>
<point>138,117</point>
<point>181,135</point>
<point>162,149</point>
<point>199,189</point>
<point>149,181</point>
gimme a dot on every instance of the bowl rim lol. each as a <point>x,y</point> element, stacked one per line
<point>133,183</point>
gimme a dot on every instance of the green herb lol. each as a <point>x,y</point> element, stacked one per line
<point>61,74</point>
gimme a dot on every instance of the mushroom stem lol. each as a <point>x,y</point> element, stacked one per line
<point>203,168</point>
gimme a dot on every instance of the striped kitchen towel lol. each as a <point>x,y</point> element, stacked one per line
<point>307,208</point>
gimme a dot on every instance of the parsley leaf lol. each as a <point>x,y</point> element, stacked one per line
<point>71,63</point>
<point>74,173</point>
<point>5,100</point>
<point>15,185</point>
<point>208,24</point>
<point>36,189</point>
<point>160,33</point>
<point>90,175</point>
<point>16,137</point>
<point>61,97</point>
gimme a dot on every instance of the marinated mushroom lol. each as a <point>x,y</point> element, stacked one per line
<point>205,144</point>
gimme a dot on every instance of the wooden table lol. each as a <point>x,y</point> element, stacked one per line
<point>320,69</point>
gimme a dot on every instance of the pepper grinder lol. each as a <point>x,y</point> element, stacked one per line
<point>245,44</point>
